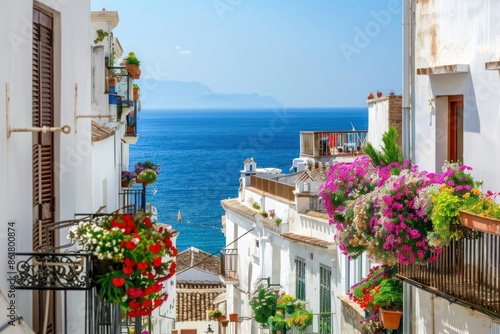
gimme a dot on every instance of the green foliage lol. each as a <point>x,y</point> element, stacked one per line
<point>101,34</point>
<point>132,59</point>
<point>277,321</point>
<point>390,295</point>
<point>444,217</point>
<point>147,176</point>
<point>391,152</point>
<point>278,221</point>
<point>256,206</point>
<point>136,86</point>
<point>263,303</point>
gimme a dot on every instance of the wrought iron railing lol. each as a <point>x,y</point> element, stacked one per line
<point>229,263</point>
<point>51,270</point>
<point>317,144</point>
<point>133,199</point>
<point>123,87</point>
<point>468,272</point>
<point>273,187</point>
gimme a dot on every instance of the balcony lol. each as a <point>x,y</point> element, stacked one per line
<point>60,268</point>
<point>229,266</point>
<point>468,273</point>
<point>122,91</point>
<point>131,136</point>
<point>273,187</point>
<point>328,144</point>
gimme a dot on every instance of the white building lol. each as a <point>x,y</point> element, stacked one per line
<point>63,147</point>
<point>297,256</point>
<point>451,110</point>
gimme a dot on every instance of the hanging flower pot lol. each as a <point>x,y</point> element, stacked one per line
<point>379,93</point>
<point>233,317</point>
<point>480,223</point>
<point>390,319</point>
<point>224,323</point>
<point>221,318</point>
<point>112,81</point>
<point>370,96</point>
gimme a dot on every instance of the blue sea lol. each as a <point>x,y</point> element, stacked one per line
<point>201,153</point>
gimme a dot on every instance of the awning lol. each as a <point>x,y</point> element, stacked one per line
<point>220,298</point>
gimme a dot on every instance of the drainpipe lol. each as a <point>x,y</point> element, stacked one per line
<point>408,129</point>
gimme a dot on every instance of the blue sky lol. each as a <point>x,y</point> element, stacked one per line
<point>322,53</point>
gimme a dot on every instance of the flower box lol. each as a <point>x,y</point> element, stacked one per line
<point>390,319</point>
<point>480,223</point>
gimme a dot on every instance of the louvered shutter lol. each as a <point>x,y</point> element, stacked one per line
<point>43,143</point>
<point>325,299</point>
<point>300,277</point>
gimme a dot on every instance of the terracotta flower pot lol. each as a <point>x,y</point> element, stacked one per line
<point>370,96</point>
<point>233,317</point>
<point>136,93</point>
<point>480,223</point>
<point>224,323</point>
<point>390,319</point>
<point>379,93</point>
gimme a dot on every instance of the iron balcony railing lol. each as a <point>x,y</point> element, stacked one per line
<point>229,264</point>
<point>317,144</point>
<point>133,200</point>
<point>468,272</point>
<point>123,88</point>
<point>273,187</point>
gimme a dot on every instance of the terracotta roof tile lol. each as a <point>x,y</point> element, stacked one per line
<point>317,214</point>
<point>198,258</point>
<point>100,131</point>
<point>195,298</point>
<point>309,240</point>
<point>235,205</point>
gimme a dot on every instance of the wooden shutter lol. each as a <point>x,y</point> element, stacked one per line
<point>43,160</point>
<point>43,143</point>
<point>325,299</point>
<point>300,277</point>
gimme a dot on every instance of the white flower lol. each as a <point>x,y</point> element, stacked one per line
<point>108,244</point>
<point>135,240</point>
<point>115,249</point>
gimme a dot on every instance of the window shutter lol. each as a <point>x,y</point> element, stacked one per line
<point>43,115</point>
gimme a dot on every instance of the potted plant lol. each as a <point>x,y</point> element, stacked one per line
<point>278,221</point>
<point>136,92</point>
<point>147,176</point>
<point>263,303</point>
<point>389,299</point>
<point>379,93</point>
<point>277,322</point>
<point>300,320</point>
<point>370,96</point>
<point>141,252</point>
<point>272,213</point>
<point>140,166</point>
<point>263,213</point>
<point>132,64</point>
<point>127,179</point>
<point>101,34</point>
<point>214,314</point>
<point>287,302</point>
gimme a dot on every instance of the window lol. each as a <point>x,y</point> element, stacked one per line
<point>300,278</point>
<point>325,300</point>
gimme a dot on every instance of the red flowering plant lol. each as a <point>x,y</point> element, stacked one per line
<point>141,251</point>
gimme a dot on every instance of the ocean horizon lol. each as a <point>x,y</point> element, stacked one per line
<point>201,153</point>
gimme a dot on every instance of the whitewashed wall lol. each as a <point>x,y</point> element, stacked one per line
<point>71,66</point>
<point>467,33</point>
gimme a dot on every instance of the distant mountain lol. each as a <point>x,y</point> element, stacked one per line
<point>183,94</point>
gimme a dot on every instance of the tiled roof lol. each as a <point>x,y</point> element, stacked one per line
<point>195,298</point>
<point>193,257</point>
<point>317,214</point>
<point>100,131</point>
<point>235,205</point>
<point>308,240</point>
<point>317,171</point>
